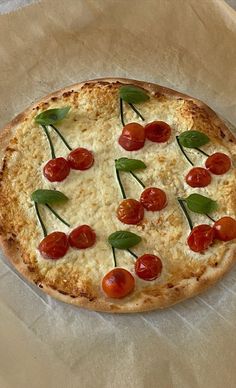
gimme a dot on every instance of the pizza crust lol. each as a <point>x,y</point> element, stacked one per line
<point>170,294</point>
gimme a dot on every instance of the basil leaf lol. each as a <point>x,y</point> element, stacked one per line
<point>133,94</point>
<point>123,239</point>
<point>52,116</point>
<point>48,196</point>
<point>193,139</point>
<point>126,164</point>
<point>199,204</point>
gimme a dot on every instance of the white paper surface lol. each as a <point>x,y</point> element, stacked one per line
<point>185,44</point>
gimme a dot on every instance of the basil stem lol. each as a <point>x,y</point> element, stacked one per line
<point>210,218</point>
<point>62,137</point>
<point>202,152</point>
<point>181,202</point>
<point>136,111</point>
<point>40,219</point>
<point>57,215</point>
<point>114,256</point>
<point>122,112</point>
<point>182,150</point>
<point>120,184</point>
<point>132,253</point>
<point>49,141</point>
<point>137,179</point>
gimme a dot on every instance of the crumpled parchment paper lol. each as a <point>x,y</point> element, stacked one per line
<point>188,45</point>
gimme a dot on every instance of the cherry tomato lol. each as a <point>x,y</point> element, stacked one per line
<point>158,131</point>
<point>54,245</point>
<point>56,170</point>
<point>130,211</point>
<point>80,159</point>
<point>82,237</point>
<point>153,199</point>
<point>225,229</point>
<point>148,267</point>
<point>198,177</point>
<point>201,237</point>
<point>218,163</point>
<point>118,283</point>
<point>132,137</point>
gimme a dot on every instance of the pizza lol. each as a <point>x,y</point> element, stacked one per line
<point>118,195</point>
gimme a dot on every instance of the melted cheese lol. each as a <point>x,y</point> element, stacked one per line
<point>94,194</point>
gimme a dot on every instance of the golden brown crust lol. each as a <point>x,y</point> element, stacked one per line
<point>171,293</point>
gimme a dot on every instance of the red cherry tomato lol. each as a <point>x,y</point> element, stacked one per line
<point>148,267</point>
<point>225,229</point>
<point>130,211</point>
<point>118,283</point>
<point>153,199</point>
<point>158,131</point>
<point>82,237</point>
<point>200,238</point>
<point>56,170</point>
<point>198,177</point>
<point>80,159</point>
<point>218,163</point>
<point>54,245</point>
<point>132,137</point>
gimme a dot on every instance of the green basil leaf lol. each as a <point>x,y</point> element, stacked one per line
<point>123,239</point>
<point>133,94</point>
<point>48,196</point>
<point>193,139</point>
<point>199,204</point>
<point>52,116</point>
<point>126,164</point>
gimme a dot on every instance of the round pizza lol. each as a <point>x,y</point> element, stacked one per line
<point>118,195</point>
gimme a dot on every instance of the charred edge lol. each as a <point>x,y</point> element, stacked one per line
<point>54,98</point>
<point>222,134</point>
<point>63,292</point>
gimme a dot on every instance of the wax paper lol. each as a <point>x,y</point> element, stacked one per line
<point>188,45</point>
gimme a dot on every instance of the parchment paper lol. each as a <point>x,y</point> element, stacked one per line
<point>185,44</point>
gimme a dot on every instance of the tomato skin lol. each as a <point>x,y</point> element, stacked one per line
<point>225,229</point>
<point>201,237</point>
<point>82,237</point>
<point>158,131</point>
<point>54,245</point>
<point>132,137</point>
<point>80,159</point>
<point>148,267</point>
<point>118,283</point>
<point>198,177</point>
<point>218,163</point>
<point>56,170</point>
<point>153,199</point>
<point>130,211</point>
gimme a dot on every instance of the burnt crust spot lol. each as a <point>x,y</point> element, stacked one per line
<point>67,94</point>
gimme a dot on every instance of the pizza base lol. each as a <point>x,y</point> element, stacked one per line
<point>170,294</point>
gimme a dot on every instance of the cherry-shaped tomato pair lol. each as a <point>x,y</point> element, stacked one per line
<point>134,135</point>
<point>56,170</point>
<point>130,211</point>
<point>202,236</point>
<point>119,282</point>
<point>217,164</point>
<point>56,244</point>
